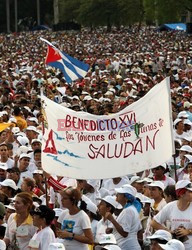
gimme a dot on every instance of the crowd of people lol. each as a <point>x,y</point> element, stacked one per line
<point>149,210</point>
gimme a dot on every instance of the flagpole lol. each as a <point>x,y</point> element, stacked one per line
<point>171,128</point>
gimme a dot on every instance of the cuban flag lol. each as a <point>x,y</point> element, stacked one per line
<point>71,68</point>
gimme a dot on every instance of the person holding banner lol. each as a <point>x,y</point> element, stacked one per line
<point>75,226</point>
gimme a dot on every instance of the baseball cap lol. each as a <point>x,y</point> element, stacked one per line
<point>32,128</point>
<point>33,119</point>
<point>3,166</point>
<point>157,184</point>
<point>45,212</point>
<point>133,179</point>
<point>89,204</point>
<point>109,199</point>
<point>24,141</point>
<point>35,140</point>
<point>9,183</point>
<point>107,239</point>
<point>38,171</point>
<point>15,130</point>
<point>184,184</point>
<point>87,98</point>
<point>186,148</point>
<point>126,189</point>
<point>183,114</point>
<point>161,234</point>
<point>173,245</point>
<point>10,206</point>
<point>177,120</point>
<point>56,246</point>
<point>108,247</point>
<point>24,155</point>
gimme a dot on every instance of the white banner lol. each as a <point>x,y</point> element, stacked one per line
<point>84,146</point>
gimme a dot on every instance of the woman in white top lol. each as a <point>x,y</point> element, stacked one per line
<point>20,228</point>
<point>42,218</point>
<point>178,213</point>
<point>75,226</point>
<point>127,224</point>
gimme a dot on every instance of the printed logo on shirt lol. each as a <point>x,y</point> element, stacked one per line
<point>68,225</point>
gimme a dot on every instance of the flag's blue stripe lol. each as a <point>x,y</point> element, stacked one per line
<point>77,63</point>
<point>61,67</point>
<point>72,68</point>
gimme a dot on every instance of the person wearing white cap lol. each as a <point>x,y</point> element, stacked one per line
<point>107,204</point>
<point>173,245</point>
<point>159,175</point>
<point>178,131</point>
<point>127,224</point>
<point>178,213</point>
<point>31,133</point>
<point>24,160</point>
<point>3,171</point>
<point>9,187</point>
<point>158,202</point>
<point>159,237</point>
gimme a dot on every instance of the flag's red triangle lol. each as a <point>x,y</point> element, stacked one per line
<point>51,149</point>
<point>52,55</point>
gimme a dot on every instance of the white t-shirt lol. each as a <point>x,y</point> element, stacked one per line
<point>43,238</point>
<point>23,233</point>
<point>171,213</point>
<point>76,224</point>
<point>130,222</point>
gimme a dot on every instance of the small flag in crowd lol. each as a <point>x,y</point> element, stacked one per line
<point>72,68</point>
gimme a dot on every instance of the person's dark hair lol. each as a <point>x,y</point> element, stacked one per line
<point>110,206</point>
<point>170,191</point>
<point>37,151</point>
<point>45,212</point>
<point>2,231</point>
<point>16,111</point>
<point>9,146</point>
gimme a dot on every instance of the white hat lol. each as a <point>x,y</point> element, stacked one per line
<point>32,128</point>
<point>87,98</point>
<point>157,184</point>
<point>107,239</point>
<point>148,180</point>
<point>35,140</point>
<point>9,183</point>
<point>186,148</point>
<point>84,93</point>
<point>108,247</point>
<point>183,114</point>
<point>127,188</point>
<point>188,122</point>
<point>111,200</point>
<point>109,93</point>
<point>163,165</point>
<point>33,119</point>
<point>91,206</point>
<point>24,155</point>
<point>161,234</point>
<point>177,120</point>
<point>75,97</point>
<point>173,245</point>
<point>58,211</point>
<point>2,245</point>
<point>184,184</point>
<point>56,246</point>
<point>24,141</point>
<point>15,130</point>
<point>146,200</point>
<point>38,171</point>
<point>10,206</point>
<point>3,166</point>
<point>133,179</point>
